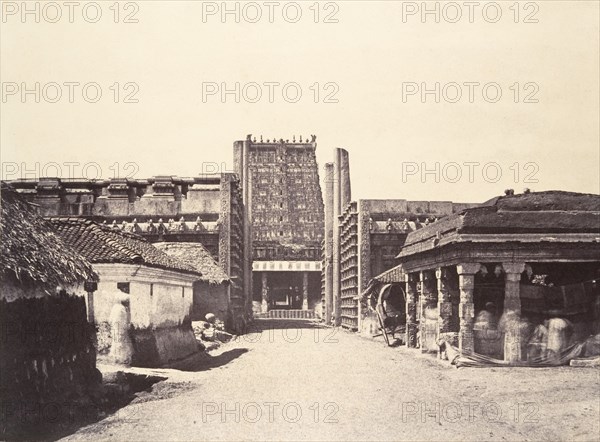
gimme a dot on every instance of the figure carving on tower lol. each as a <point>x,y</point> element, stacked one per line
<point>198,225</point>
<point>161,226</point>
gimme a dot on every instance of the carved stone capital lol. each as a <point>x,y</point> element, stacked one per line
<point>442,273</point>
<point>513,267</point>
<point>468,268</point>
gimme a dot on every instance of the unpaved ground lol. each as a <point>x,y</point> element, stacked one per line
<point>311,383</point>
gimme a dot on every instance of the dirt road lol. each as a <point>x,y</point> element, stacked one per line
<point>296,381</point>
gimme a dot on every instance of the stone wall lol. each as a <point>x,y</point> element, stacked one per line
<point>160,309</point>
<point>159,347</point>
<point>372,233</point>
<point>210,298</point>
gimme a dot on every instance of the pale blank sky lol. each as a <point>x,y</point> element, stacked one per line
<point>369,54</point>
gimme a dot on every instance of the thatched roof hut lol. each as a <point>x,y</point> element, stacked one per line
<point>196,255</point>
<point>32,254</point>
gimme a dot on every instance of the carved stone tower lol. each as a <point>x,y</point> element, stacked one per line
<point>286,217</point>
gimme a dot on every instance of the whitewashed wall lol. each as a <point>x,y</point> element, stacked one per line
<point>158,298</point>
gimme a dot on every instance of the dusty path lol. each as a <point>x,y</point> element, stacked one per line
<point>312,383</point>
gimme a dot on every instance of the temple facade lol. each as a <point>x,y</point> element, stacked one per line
<point>285,212</point>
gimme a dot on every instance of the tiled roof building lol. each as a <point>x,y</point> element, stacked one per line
<point>196,256</point>
<point>102,244</point>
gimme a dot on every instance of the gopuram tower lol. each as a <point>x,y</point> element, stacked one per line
<point>285,222</point>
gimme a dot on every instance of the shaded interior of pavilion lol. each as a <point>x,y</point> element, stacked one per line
<point>503,317</point>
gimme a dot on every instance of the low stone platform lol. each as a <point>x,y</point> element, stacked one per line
<point>286,314</point>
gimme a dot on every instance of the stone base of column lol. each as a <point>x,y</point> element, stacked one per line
<point>411,335</point>
<point>466,341</point>
<point>445,317</point>
<point>305,304</point>
<point>264,307</point>
<point>512,346</point>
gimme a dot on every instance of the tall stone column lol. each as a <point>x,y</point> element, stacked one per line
<point>428,301</point>
<point>328,264</point>
<point>305,291</point>
<point>466,308</point>
<point>341,197</point>
<point>265,293</point>
<point>411,309</point>
<point>337,287</point>
<point>512,310</point>
<point>444,306</point>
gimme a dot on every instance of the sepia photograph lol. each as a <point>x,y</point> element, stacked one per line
<point>312,220</point>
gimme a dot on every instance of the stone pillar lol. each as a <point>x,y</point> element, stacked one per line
<point>411,310</point>
<point>341,197</point>
<point>466,308</point>
<point>328,264</point>
<point>512,311</point>
<point>344,176</point>
<point>265,293</point>
<point>444,306</point>
<point>305,291</point>
<point>428,301</point>
<point>337,210</point>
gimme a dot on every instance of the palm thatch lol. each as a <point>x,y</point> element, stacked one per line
<point>194,254</point>
<point>32,252</point>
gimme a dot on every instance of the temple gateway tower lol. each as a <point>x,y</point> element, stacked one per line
<point>284,206</point>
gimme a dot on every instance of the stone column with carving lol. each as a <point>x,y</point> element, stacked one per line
<point>466,308</point>
<point>428,302</point>
<point>305,291</point>
<point>444,306</point>
<point>512,311</point>
<point>265,293</point>
<point>411,309</point>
